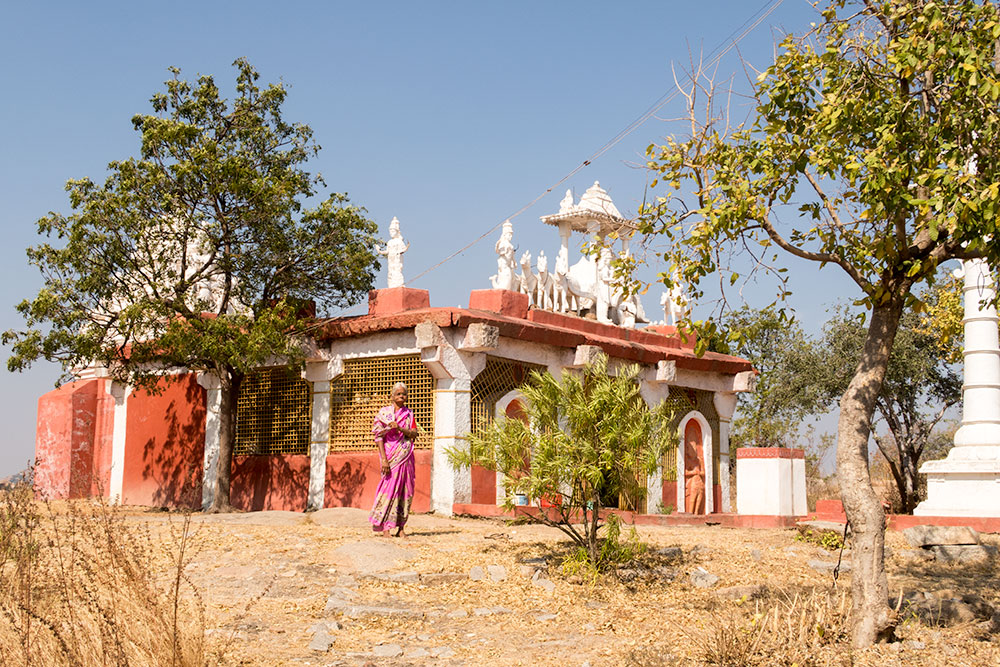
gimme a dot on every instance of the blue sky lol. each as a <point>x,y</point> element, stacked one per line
<point>450,115</point>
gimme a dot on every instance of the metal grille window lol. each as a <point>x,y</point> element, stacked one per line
<point>364,388</point>
<point>683,401</point>
<point>273,413</point>
<point>497,379</point>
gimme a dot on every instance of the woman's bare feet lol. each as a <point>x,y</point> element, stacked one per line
<point>400,532</point>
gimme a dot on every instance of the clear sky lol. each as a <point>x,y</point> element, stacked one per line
<point>450,115</point>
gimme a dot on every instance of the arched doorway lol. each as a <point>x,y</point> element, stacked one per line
<point>694,469</point>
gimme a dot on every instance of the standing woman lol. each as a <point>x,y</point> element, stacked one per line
<point>394,431</point>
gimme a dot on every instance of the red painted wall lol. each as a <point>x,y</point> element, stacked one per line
<point>352,477</point>
<point>73,440</point>
<point>484,486</point>
<point>670,496</point>
<point>279,482</point>
<point>165,444</point>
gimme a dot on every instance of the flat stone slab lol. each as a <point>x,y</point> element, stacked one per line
<point>820,526</point>
<point>388,650</point>
<point>344,517</point>
<point>264,518</point>
<point>829,566</point>
<point>964,553</point>
<point>924,536</point>
<point>702,578</point>
<point>371,556</point>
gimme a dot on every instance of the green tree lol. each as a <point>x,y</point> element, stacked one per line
<point>880,126</point>
<point>587,435</point>
<point>787,390</point>
<point>919,388</point>
<point>198,254</point>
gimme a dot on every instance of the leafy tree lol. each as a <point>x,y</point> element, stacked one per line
<point>198,254</point>
<point>918,375</point>
<point>587,435</point>
<point>881,126</point>
<point>788,388</point>
<point>941,317</point>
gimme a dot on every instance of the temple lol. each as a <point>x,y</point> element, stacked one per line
<point>303,436</point>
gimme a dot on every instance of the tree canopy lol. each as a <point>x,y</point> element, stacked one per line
<point>879,127</point>
<point>201,253</point>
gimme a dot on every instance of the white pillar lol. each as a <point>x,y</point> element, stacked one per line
<point>453,372</point>
<point>967,482</point>
<point>706,448</point>
<point>725,406</point>
<point>213,408</point>
<point>320,374</point>
<point>654,390</point>
<point>120,392</point>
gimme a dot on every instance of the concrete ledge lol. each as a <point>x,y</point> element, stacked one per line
<point>504,302</point>
<point>396,300</point>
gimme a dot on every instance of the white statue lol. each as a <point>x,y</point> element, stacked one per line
<point>543,284</point>
<point>566,205</point>
<point>527,281</point>
<point>674,302</point>
<point>505,279</point>
<point>560,292</point>
<point>393,252</point>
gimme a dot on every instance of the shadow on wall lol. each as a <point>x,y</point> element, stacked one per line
<point>346,484</point>
<point>270,482</point>
<point>164,465</point>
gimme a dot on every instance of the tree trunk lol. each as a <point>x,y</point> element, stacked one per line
<point>230,389</point>
<point>872,618</point>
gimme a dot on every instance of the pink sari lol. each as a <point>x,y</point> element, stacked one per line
<point>394,494</point>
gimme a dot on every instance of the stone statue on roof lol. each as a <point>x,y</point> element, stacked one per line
<point>505,278</point>
<point>393,252</point>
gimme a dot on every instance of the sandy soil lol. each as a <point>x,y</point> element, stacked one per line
<point>266,580</point>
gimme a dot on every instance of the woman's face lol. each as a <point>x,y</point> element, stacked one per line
<point>399,397</point>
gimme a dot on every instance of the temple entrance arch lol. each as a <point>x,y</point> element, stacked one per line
<point>696,446</point>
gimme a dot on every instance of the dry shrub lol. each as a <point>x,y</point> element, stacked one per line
<point>781,629</point>
<point>80,587</point>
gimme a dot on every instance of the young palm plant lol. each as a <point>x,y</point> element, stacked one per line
<point>587,435</point>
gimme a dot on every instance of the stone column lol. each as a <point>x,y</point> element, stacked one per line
<point>213,408</point>
<point>453,369</point>
<point>120,392</point>
<point>725,405</point>
<point>320,374</point>
<point>967,482</point>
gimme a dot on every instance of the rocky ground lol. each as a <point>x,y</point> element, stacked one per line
<point>281,588</point>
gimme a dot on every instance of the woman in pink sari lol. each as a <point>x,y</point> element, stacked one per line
<point>394,431</point>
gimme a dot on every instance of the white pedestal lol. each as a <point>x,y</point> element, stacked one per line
<point>770,481</point>
<point>967,482</point>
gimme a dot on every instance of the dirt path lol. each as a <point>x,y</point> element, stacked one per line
<point>281,588</point>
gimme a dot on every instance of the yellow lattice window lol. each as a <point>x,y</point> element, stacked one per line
<point>273,413</point>
<point>364,387</point>
<point>497,379</point>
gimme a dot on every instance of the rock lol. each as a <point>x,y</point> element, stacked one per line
<point>699,550</point>
<point>497,573</point>
<point>537,562</point>
<point>325,626</point>
<point>527,570</point>
<point>628,574</point>
<point>964,553</point>
<point>914,556</point>
<point>820,527</point>
<point>458,613</point>
<point>545,618</point>
<point>321,641</point>
<point>398,577</point>
<point>339,598</point>
<point>388,650</point>
<point>829,566</point>
<point>742,592</point>
<point>914,645</point>
<point>544,584</point>
<point>477,574</point>
<point>424,636</point>
<point>595,604</point>
<point>665,573</point>
<point>442,652</point>
<point>490,611</point>
<point>373,555</point>
<point>756,555</point>
<point>415,653</point>
<point>671,552</point>
<point>702,578</point>
<point>358,610</point>
<point>923,536</point>
<point>434,578</point>
<point>953,611</point>
<point>346,581</point>
<point>793,550</point>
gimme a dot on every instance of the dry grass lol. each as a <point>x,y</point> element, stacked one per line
<point>79,586</point>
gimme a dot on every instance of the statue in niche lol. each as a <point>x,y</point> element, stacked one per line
<point>505,278</point>
<point>393,252</point>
